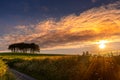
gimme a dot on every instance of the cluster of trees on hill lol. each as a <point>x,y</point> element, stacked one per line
<point>24,47</point>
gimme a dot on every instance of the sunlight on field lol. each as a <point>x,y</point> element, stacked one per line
<point>25,56</point>
<point>3,68</point>
<point>5,74</point>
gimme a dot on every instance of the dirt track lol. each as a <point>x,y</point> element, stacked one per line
<point>21,76</point>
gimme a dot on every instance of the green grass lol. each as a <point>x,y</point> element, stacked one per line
<point>63,68</point>
<point>47,66</point>
<point>50,66</point>
<point>8,76</point>
<point>29,54</point>
<point>4,72</point>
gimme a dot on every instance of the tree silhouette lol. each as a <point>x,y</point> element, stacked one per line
<point>86,53</point>
<point>24,47</point>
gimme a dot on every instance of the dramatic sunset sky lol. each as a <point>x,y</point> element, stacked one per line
<point>61,26</point>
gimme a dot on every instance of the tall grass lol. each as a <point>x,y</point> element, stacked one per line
<point>4,72</point>
<point>51,67</point>
<point>65,68</point>
<point>3,68</point>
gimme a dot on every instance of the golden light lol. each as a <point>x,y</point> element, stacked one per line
<point>102,44</point>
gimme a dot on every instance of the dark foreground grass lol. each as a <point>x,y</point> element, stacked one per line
<point>8,76</point>
<point>64,68</point>
<point>117,59</point>
<point>5,74</point>
<point>48,66</point>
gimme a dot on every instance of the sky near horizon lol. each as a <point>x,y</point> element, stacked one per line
<point>61,26</point>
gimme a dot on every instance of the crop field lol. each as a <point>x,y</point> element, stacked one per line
<point>63,67</point>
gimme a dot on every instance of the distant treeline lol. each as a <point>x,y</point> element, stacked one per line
<point>24,47</point>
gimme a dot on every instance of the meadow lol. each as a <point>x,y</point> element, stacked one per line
<point>62,67</point>
<point>48,66</point>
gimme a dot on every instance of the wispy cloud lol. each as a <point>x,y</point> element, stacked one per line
<point>94,24</point>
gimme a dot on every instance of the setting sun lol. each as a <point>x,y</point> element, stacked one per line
<point>102,44</point>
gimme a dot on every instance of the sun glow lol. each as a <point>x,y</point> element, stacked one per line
<point>102,44</point>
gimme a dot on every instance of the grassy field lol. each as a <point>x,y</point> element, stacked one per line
<point>30,56</point>
<point>47,66</point>
<point>63,67</point>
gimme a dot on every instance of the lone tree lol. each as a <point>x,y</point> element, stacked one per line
<point>24,47</point>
